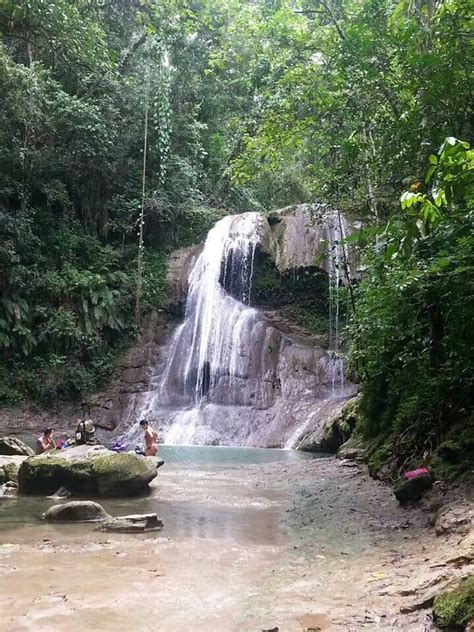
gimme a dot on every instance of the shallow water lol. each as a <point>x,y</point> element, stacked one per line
<point>252,539</point>
<point>204,498</point>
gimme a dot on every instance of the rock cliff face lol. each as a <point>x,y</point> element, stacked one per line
<point>238,375</point>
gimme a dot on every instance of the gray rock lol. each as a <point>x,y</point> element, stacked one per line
<point>87,470</point>
<point>76,511</point>
<point>11,446</point>
<point>413,489</point>
<point>454,519</point>
<point>137,523</point>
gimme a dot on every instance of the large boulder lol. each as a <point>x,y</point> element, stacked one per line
<point>87,470</point>
<point>12,446</point>
<point>76,511</point>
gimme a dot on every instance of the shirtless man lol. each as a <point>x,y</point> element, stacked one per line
<point>151,438</point>
<point>45,442</point>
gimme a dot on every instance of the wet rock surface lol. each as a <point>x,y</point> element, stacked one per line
<point>87,469</point>
<point>76,511</point>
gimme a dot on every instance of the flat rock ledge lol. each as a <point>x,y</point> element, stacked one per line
<point>86,469</point>
<point>137,523</point>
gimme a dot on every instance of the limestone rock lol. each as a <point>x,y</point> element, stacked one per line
<point>454,609</point>
<point>87,469</point>
<point>413,489</point>
<point>75,511</point>
<point>12,446</point>
<point>454,518</point>
<point>137,523</point>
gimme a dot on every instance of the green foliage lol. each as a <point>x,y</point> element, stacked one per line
<point>411,332</point>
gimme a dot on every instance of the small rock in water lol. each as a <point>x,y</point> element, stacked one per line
<point>76,511</point>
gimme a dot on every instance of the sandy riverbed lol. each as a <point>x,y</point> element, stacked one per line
<point>298,544</point>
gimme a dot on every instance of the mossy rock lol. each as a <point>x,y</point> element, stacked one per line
<point>87,470</point>
<point>353,449</point>
<point>454,609</point>
<point>413,489</point>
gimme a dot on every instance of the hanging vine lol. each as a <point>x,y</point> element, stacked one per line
<point>162,110</point>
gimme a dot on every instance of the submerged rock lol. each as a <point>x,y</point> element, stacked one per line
<point>76,511</point>
<point>454,519</point>
<point>136,523</point>
<point>87,469</point>
<point>454,609</point>
<point>11,446</point>
<point>413,489</point>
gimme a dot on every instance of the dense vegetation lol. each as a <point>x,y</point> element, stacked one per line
<point>128,127</point>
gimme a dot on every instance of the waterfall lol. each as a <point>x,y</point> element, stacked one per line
<point>207,348</point>
<point>227,375</point>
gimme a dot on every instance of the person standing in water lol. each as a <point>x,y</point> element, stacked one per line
<point>45,442</point>
<point>151,437</point>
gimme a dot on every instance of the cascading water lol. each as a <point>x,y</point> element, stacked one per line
<point>230,377</point>
<point>206,348</point>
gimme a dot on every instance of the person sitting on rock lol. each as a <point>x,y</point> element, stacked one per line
<point>151,437</point>
<point>45,442</point>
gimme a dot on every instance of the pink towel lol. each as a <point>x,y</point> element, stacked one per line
<point>414,473</point>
